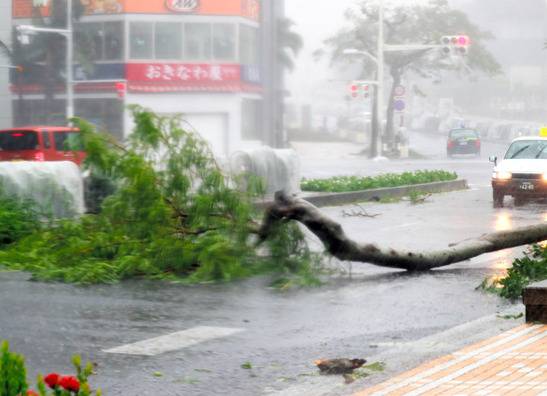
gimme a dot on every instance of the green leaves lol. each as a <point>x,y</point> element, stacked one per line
<point>528,269</point>
<point>172,215</point>
<point>13,375</point>
<point>356,183</point>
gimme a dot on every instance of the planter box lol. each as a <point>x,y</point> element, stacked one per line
<point>535,300</point>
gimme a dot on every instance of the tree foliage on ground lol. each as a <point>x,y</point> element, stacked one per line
<point>525,270</point>
<point>174,215</point>
<point>409,23</point>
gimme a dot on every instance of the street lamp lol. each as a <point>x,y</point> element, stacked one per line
<point>67,33</point>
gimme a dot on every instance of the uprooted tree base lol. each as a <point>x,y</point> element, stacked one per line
<point>339,245</point>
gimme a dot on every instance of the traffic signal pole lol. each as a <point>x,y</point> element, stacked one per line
<point>380,83</point>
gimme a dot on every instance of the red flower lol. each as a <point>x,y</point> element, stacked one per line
<point>70,383</point>
<point>52,380</point>
<point>30,392</point>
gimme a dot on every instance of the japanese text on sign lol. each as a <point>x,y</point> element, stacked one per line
<point>183,73</point>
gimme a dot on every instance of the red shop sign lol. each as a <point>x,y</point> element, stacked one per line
<point>183,73</point>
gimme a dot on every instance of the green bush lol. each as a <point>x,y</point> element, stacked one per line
<point>528,269</point>
<point>357,183</point>
<point>173,215</point>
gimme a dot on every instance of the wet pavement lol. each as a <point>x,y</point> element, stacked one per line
<point>274,336</point>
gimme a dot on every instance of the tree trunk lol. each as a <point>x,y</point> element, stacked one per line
<point>390,132</point>
<point>344,248</point>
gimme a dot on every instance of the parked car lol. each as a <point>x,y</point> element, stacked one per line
<point>463,141</point>
<point>522,173</point>
<point>41,143</point>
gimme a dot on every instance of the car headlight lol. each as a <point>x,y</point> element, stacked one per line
<point>502,175</point>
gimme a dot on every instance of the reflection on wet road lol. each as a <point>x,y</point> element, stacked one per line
<point>503,221</point>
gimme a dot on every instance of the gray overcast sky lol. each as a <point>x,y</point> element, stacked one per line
<point>315,20</point>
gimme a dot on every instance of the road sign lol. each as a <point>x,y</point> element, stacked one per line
<point>399,105</point>
<point>400,91</point>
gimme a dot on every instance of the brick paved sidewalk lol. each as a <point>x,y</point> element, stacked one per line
<point>511,364</point>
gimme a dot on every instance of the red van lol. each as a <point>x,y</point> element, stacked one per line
<point>41,143</point>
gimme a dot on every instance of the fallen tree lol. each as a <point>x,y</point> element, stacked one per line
<point>341,246</point>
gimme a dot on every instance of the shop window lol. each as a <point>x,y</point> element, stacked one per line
<point>113,40</point>
<point>141,40</point>
<point>168,40</point>
<point>101,41</point>
<point>251,128</point>
<point>39,112</point>
<point>105,114</point>
<point>224,42</point>
<point>90,37</point>
<point>248,46</point>
<point>197,43</point>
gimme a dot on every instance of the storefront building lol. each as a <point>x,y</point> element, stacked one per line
<point>199,58</point>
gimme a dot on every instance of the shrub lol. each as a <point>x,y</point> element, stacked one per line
<point>357,183</point>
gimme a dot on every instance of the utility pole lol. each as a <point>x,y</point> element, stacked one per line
<point>69,60</point>
<point>69,36</point>
<point>272,12</point>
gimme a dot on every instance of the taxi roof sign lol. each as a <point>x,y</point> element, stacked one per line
<point>543,132</point>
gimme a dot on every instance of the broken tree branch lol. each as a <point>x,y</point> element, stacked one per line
<point>342,247</point>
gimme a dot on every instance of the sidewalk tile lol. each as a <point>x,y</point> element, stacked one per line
<point>511,364</point>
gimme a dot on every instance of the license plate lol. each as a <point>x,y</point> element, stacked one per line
<point>527,186</point>
<point>463,143</point>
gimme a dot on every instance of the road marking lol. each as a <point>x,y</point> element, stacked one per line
<point>174,341</point>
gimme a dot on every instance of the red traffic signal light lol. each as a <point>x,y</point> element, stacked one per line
<point>463,41</point>
<point>455,44</point>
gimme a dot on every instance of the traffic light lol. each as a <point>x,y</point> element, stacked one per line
<point>354,88</point>
<point>358,89</point>
<point>455,45</point>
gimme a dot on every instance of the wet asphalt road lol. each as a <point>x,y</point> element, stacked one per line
<point>362,313</point>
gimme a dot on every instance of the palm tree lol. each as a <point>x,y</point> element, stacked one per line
<point>290,43</point>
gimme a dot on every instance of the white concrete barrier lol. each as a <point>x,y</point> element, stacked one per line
<point>279,168</point>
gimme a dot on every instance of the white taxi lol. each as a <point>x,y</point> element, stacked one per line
<point>522,173</point>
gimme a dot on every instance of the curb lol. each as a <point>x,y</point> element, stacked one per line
<point>335,199</point>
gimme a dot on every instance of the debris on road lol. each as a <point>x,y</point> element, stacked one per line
<point>359,213</point>
<point>339,366</point>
